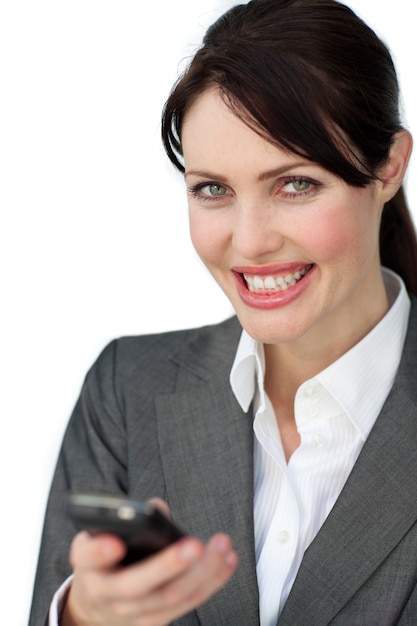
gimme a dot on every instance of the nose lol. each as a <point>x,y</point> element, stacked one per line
<point>256,235</point>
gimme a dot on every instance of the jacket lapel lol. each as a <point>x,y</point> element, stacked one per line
<point>377,506</point>
<point>206,444</point>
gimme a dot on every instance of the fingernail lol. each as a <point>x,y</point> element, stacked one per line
<point>189,551</point>
<point>221,544</point>
<point>231,559</point>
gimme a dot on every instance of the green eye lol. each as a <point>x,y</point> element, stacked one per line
<point>300,185</point>
<point>209,192</point>
<point>217,190</point>
<point>297,188</point>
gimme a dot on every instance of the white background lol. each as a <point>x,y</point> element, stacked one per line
<point>93,223</point>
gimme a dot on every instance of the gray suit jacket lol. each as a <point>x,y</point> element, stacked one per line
<point>157,417</point>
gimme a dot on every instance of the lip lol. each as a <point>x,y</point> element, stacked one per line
<point>270,270</point>
<point>272,299</point>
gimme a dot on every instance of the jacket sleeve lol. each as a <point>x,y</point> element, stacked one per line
<point>92,458</point>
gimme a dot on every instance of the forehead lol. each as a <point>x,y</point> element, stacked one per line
<point>207,113</point>
<point>215,137</point>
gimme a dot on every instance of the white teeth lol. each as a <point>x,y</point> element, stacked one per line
<point>271,283</point>
<point>289,279</point>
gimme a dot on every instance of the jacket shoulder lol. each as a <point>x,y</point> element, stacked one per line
<point>151,361</point>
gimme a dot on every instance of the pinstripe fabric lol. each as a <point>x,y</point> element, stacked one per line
<point>334,413</point>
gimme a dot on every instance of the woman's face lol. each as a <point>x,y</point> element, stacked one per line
<point>292,245</point>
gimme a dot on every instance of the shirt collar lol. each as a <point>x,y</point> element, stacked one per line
<point>247,374</point>
<point>359,381</point>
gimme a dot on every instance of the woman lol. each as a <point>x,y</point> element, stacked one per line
<point>286,126</point>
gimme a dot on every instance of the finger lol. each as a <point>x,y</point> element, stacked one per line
<point>136,581</point>
<point>209,573</point>
<point>196,583</point>
<point>96,552</point>
<point>160,504</point>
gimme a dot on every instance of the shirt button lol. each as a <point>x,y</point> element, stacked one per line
<point>317,440</point>
<point>283,537</point>
<point>310,390</point>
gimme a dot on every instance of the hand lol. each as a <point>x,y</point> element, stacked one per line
<point>153,592</point>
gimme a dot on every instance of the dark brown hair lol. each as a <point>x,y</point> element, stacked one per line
<point>312,77</point>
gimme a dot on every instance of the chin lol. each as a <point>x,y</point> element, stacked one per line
<point>270,331</point>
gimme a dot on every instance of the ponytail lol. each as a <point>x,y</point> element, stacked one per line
<point>398,240</point>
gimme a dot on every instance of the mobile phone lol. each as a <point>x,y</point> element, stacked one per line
<point>142,527</point>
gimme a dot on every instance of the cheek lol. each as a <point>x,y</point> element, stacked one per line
<point>329,240</point>
<point>340,233</point>
<point>209,237</point>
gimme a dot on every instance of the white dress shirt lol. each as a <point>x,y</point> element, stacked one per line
<point>334,414</point>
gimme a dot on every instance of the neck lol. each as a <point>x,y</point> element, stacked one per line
<point>295,362</point>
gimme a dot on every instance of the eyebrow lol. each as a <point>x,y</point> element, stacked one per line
<point>261,178</point>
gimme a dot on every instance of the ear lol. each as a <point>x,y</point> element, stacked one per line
<point>393,172</point>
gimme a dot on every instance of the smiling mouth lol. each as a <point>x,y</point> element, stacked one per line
<point>273,283</point>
